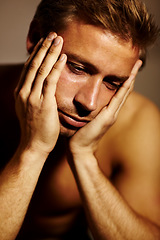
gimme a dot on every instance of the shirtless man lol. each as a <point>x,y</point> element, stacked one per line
<point>93,164</point>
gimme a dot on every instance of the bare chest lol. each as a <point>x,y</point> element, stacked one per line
<point>56,205</point>
<point>56,190</point>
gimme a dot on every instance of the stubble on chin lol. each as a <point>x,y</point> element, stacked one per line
<point>66,132</point>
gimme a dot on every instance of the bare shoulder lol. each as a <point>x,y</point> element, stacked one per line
<point>144,111</point>
<point>135,135</point>
<point>141,126</point>
<point>138,125</point>
<point>138,109</point>
<point>142,133</point>
<point>134,145</point>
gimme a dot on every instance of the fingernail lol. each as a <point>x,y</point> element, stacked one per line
<point>56,41</point>
<point>41,40</point>
<point>63,56</point>
<point>51,36</point>
<point>140,64</point>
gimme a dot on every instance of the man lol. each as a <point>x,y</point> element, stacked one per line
<point>86,160</point>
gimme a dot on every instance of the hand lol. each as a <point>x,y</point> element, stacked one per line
<point>86,139</point>
<point>35,100</point>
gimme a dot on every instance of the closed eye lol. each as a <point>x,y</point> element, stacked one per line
<point>112,86</point>
<point>76,68</point>
<point>114,82</point>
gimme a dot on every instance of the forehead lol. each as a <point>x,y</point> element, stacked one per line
<point>99,47</point>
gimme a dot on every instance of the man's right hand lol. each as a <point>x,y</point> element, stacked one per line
<point>36,105</point>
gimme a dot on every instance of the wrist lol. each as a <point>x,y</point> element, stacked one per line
<point>83,159</point>
<point>29,155</point>
<point>35,147</point>
<point>78,149</point>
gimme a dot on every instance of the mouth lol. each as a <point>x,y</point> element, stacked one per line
<point>71,121</point>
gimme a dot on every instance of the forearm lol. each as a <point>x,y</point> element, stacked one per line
<point>109,216</point>
<point>17,184</point>
<point>36,109</point>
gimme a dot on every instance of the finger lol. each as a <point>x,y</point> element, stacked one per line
<point>25,68</point>
<point>120,97</point>
<point>32,66</point>
<point>47,65</point>
<point>51,81</point>
<point>36,62</point>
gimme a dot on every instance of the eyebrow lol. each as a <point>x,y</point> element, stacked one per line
<point>114,78</point>
<point>90,66</point>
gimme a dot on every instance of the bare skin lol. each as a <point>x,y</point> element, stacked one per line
<point>96,161</point>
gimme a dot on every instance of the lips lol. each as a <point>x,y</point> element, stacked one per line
<point>71,120</point>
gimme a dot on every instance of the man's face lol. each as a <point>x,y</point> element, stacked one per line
<point>98,63</point>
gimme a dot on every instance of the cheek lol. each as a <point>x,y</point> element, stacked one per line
<point>66,88</point>
<point>105,96</point>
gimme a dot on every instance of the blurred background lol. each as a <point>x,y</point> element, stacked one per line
<point>15,17</point>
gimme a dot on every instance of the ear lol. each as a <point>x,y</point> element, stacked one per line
<point>33,36</point>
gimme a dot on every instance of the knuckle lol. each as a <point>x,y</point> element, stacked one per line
<point>128,87</point>
<point>31,101</point>
<point>125,88</point>
<point>33,65</point>
<point>26,64</point>
<point>119,99</point>
<point>56,67</point>
<point>44,46</point>
<point>22,95</point>
<point>131,88</point>
<point>111,118</point>
<point>48,81</point>
<point>51,51</point>
<point>111,121</point>
<point>42,70</point>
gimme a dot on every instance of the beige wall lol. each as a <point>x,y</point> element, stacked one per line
<point>15,16</point>
<point>148,81</point>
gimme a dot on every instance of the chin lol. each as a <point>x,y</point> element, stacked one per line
<point>67,132</point>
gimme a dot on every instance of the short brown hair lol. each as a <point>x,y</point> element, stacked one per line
<point>128,19</point>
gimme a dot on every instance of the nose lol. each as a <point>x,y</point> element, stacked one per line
<point>87,95</point>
